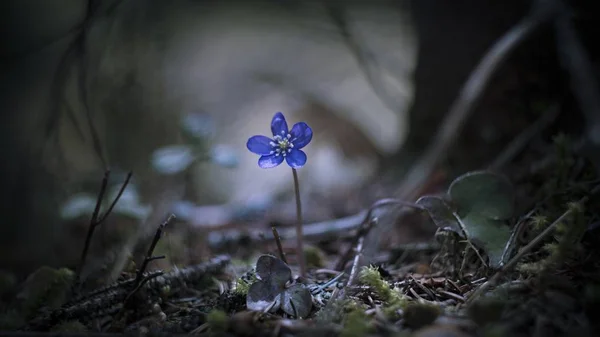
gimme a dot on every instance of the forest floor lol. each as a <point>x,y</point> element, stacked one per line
<point>514,254</point>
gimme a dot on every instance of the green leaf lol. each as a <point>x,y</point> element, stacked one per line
<point>440,213</point>
<point>272,270</point>
<point>296,301</point>
<point>491,235</point>
<point>483,192</point>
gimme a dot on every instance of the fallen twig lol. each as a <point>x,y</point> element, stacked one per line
<point>366,226</point>
<point>358,252</point>
<point>149,257</point>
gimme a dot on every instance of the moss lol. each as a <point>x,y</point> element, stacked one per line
<point>539,222</point>
<point>314,257</point>
<point>393,299</point>
<point>356,322</point>
<point>11,319</point>
<point>70,326</point>
<point>218,321</point>
<point>486,310</point>
<point>418,315</point>
<point>8,283</point>
<point>46,287</point>
<point>242,284</point>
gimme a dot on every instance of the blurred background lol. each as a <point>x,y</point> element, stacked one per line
<point>171,90</point>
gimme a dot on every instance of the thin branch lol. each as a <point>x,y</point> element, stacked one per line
<point>278,242</point>
<point>358,252</point>
<point>112,205</point>
<point>149,257</point>
<point>366,226</point>
<point>91,228</point>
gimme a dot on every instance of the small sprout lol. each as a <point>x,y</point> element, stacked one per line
<point>269,292</point>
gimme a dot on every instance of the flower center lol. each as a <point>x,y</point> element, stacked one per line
<point>281,145</point>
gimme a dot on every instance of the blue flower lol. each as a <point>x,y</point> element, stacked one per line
<point>285,144</point>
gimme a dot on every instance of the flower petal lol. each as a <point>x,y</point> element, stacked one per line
<point>270,161</point>
<point>296,158</point>
<point>301,135</point>
<point>259,145</point>
<point>279,126</point>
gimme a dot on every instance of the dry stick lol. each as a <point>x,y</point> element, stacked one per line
<point>95,222</point>
<point>299,235</point>
<point>535,242</point>
<point>140,278</point>
<point>365,226</point>
<point>278,242</point>
<point>149,257</point>
<point>358,251</point>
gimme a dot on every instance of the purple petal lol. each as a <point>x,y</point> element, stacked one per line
<point>270,161</point>
<point>259,145</point>
<point>296,158</point>
<point>301,135</point>
<point>279,126</point>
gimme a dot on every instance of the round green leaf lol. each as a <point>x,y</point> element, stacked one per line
<point>261,295</point>
<point>296,301</point>
<point>272,270</point>
<point>485,193</point>
<point>440,213</point>
<point>491,235</point>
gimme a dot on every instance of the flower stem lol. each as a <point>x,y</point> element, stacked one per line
<point>299,234</point>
